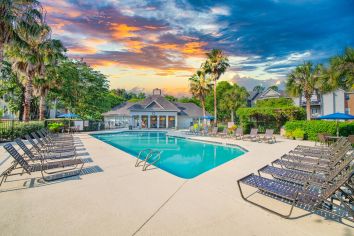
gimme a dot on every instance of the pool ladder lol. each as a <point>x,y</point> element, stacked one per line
<point>149,154</point>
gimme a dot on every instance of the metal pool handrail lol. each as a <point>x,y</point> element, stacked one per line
<point>154,153</point>
<point>140,160</point>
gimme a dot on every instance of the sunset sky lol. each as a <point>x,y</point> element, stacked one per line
<point>141,45</point>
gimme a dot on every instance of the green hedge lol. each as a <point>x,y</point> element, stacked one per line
<point>12,130</point>
<point>313,127</point>
<point>268,117</point>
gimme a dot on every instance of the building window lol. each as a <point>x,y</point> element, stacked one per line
<point>153,121</point>
<point>162,122</point>
<point>347,110</point>
<point>171,122</point>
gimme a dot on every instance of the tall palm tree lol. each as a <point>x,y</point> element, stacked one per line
<point>305,80</point>
<point>16,14</point>
<point>233,99</point>
<point>200,87</point>
<point>341,70</point>
<point>28,61</point>
<point>52,51</point>
<point>216,65</point>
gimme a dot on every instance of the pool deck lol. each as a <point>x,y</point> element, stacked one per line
<point>113,197</point>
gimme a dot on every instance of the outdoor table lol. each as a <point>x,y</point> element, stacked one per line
<point>331,139</point>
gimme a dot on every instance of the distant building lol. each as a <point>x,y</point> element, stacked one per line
<point>328,103</point>
<point>266,94</point>
<point>154,111</point>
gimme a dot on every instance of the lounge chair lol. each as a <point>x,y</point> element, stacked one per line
<point>253,136</point>
<point>320,150</point>
<point>43,167</point>
<point>309,196</point>
<point>317,165</point>
<point>351,139</point>
<point>303,178</point>
<point>238,134</point>
<point>214,131</point>
<point>49,146</point>
<point>269,136</point>
<point>224,133</point>
<point>39,155</point>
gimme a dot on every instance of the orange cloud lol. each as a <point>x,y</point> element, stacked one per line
<point>195,48</point>
<point>134,45</point>
<point>82,50</point>
<point>122,31</point>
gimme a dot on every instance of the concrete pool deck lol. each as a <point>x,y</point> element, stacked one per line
<point>113,197</point>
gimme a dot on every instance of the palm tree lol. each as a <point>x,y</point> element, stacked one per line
<point>258,89</point>
<point>28,61</point>
<point>233,99</point>
<point>341,70</point>
<point>52,52</point>
<point>216,65</point>
<point>305,80</point>
<point>200,87</point>
<point>16,14</point>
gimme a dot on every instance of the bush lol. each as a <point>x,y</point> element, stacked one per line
<point>19,129</point>
<point>221,128</point>
<point>55,127</point>
<point>298,133</point>
<point>268,117</point>
<point>313,127</point>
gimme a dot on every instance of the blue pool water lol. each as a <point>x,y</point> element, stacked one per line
<point>181,157</point>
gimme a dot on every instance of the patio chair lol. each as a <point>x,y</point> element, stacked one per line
<point>319,165</point>
<point>309,196</point>
<point>224,133</point>
<point>214,131</point>
<point>303,178</point>
<point>55,142</point>
<point>253,136</point>
<point>39,155</point>
<point>49,148</point>
<point>322,138</point>
<point>323,154</point>
<point>320,150</point>
<point>47,169</point>
<point>351,139</point>
<point>238,134</point>
<point>269,136</point>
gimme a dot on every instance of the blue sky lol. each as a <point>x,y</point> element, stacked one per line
<point>140,45</point>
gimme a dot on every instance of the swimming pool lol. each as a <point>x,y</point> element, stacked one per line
<point>182,157</point>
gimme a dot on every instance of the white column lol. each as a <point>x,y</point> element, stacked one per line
<point>158,121</point>
<point>140,121</point>
<point>166,122</point>
<point>176,122</point>
<point>149,121</point>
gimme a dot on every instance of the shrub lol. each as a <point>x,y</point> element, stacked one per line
<point>298,133</point>
<point>19,129</point>
<point>313,127</point>
<point>221,128</point>
<point>232,128</point>
<point>55,127</point>
<point>268,117</point>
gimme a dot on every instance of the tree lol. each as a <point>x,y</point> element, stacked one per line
<point>274,87</point>
<point>171,98</point>
<point>221,88</point>
<point>216,65</point>
<point>15,15</point>
<point>234,98</point>
<point>28,60</point>
<point>200,86</point>
<point>258,88</point>
<point>305,80</point>
<point>341,70</point>
<point>52,52</point>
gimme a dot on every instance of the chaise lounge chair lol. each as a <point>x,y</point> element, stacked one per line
<point>309,196</point>
<point>269,136</point>
<point>253,136</point>
<point>43,167</point>
<point>238,134</point>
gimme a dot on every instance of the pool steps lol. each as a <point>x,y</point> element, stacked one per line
<point>145,155</point>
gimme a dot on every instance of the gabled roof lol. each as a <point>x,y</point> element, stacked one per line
<point>190,109</point>
<point>162,104</point>
<point>122,109</point>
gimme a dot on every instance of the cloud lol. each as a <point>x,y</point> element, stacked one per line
<point>250,83</point>
<point>264,39</point>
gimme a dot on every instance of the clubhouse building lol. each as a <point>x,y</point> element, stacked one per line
<point>155,112</point>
